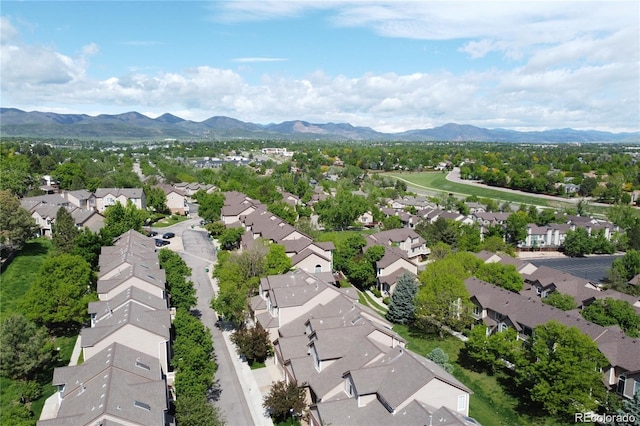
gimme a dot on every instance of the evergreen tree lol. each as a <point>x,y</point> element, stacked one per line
<point>402,301</point>
<point>441,358</point>
<point>25,349</point>
<point>630,410</point>
<point>64,232</point>
<point>16,224</point>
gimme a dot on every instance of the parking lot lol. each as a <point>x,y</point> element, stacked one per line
<point>593,268</point>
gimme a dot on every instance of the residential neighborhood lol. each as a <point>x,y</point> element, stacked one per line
<point>369,306</point>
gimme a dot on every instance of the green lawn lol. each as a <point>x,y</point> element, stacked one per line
<point>489,404</point>
<point>14,283</point>
<point>169,220</point>
<point>22,271</point>
<point>366,300</point>
<point>337,237</point>
<point>438,181</point>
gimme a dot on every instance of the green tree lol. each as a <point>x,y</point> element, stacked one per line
<point>587,186</point>
<point>25,349</point>
<point>443,299</point>
<point>628,265</point>
<point>230,239</point>
<point>469,239</point>
<point>70,175</point>
<point>577,243</point>
<point>193,355</point>
<point>254,343</point>
<point>496,244</point>
<point>347,250</point>
<point>502,275</point>
<point>60,294</point>
<point>284,211</point>
<point>181,291</point>
<point>516,227</point>
<point>88,245</point>
<point>341,211</point>
<point>16,224</point>
<point>560,370</point>
<point>630,408</point>
<point>64,232</point>
<point>392,222</point>
<point>277,261</point>
<point>613,312</point>
<point>119,219</point>
<point>285,399</point>
<point>215,228</point>
<point>16,174</point>
<point>561,301</point>
<point>491,353</point>
<point>192,409</point>
<point>441,358</point>
<point>156,199</point>
<point>402,306</point>
<point>440,250</point>
<point>209,205</point>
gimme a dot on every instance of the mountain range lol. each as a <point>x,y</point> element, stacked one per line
<point>133,125</point>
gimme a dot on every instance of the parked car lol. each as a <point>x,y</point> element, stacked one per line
<point>161,243</point>
<point>168,235</point>
<point>152,233</point>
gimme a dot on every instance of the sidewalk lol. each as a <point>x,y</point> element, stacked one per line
<point>250,388</point>
<point>51,407</point>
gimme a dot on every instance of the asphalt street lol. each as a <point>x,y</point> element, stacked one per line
<point>194,246</point>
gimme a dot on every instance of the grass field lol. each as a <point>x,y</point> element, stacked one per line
<point>489,404</point>
<point>15,282</point>
<point>22,271</point>
<point>437,181</point>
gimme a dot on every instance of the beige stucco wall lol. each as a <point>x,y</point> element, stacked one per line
<point>438,393</point>
<point>135,338</point>
<point>133,282</point>
<point>309,263</point>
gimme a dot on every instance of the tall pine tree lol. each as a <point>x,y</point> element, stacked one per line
<point>64,232</point>
<point>402,301</point>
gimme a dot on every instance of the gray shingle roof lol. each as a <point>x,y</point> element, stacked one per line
<point>109,384</point>
<point>154,321</point>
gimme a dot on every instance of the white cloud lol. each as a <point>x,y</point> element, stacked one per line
<point>575,72</point>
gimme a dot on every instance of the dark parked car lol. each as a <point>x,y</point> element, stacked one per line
<point>168,235</point>
<point>152,233</point>
<point>161,243</point>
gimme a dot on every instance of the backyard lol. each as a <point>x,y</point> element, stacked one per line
<point>15,282</point>
<point>489,404</point>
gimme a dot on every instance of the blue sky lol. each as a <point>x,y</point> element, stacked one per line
<point>392,65</point>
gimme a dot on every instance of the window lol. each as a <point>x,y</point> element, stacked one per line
<point>318,269</point>
<point>462,402</point>
<point>503,327</point>
<point>622,381</point>
<point>142,405</point>
<point>477,311</point>
<point>498,316</point>
<point>636,388</point>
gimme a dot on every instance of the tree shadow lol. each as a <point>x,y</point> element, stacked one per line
<point>33,248</point>
<point>214,392</point>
